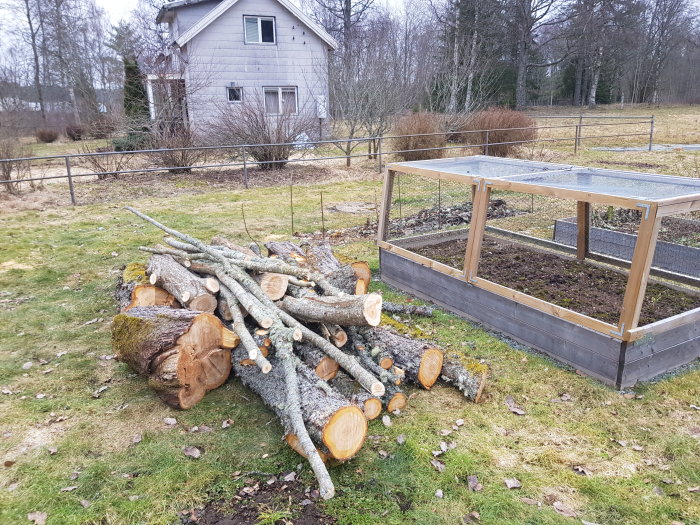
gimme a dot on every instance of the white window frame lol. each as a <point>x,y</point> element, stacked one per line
<point>260,19</point>
<point>228,99</point>
<point>279,89</point>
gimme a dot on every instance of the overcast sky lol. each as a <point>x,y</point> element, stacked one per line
<point>117,10</point>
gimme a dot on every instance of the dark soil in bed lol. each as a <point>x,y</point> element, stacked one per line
<point>579,286</point>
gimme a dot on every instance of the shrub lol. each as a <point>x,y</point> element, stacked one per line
<point>414,148</point>
<point>75,132</point>
<point>504,125</point>
<point>102,127</point>
<point>11,148</point>
<point>249,123</point>
<point>46,135</point>
<point>134,140</point>
<point>106,165</point>
<point>167,139</point>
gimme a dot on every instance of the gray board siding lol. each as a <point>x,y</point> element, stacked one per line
<point>218,56</point>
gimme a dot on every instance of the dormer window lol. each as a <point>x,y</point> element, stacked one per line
<point>259,29</point>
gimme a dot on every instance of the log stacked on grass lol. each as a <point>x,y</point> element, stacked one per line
<point>310,344</point>
<point>338,427</point>
<point>183,353</point>
<point>194,292</point>
<point>133,289</point>
<point>421,361</point>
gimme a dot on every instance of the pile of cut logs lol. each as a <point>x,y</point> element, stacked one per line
<point>296,326</point>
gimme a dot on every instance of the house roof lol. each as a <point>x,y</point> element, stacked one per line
<point>220,9</point>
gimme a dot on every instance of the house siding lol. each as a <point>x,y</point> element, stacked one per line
<point>218,55</point>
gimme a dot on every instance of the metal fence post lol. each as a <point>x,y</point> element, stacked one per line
<point>70,181</point>
<point>486,145</point>
<point>245,168</point>
<point>578,135</point>
<point>651,133</point>
<point>577,130</point>
<point>378,153</point>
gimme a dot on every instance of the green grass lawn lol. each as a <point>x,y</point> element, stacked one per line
<point>612,459</point>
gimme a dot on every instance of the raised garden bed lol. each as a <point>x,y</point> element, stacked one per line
<point>612,324</point>
<point>580,286</point>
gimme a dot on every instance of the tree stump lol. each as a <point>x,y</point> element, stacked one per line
<point>183,353</point>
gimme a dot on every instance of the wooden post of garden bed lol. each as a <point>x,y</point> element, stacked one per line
<point>383,226</point>
<point>639,270</point>
<point>583,224</point>
<point>480,209</point>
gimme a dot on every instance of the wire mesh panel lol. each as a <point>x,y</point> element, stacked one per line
<point>422,205</point>
<point>425,212</point>
<point>534,249</point>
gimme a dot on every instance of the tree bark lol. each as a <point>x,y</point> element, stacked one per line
<point>183,353</point>
<point>337,426</point>
<point>407,309</point>
<point>355,310</point>
<point>133,290</point>
<point>324,367</point>
<point>371,405</point>
<point>467,374</point>
<point>190,290</point>
<point>421,361</point>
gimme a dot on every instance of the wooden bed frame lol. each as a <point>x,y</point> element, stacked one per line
<point>619,354</point>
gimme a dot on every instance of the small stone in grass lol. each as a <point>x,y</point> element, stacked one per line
<point>512,483</point>
<point>85,503</point>
<point>136,439</point>
<point>445,432</point>
<point>472,517</point>
<point>513,407</point>
<point>39,518</point>
<point>401,439</point>
<point>439,494</point>
<point>69,489</point>
<point>170,421</point>
<point>638,448</point>
<point>40,396</point>
<point>192,452</point>
<point>386,420</point>
<point>694,489</point>
<point>226,423</point>
<point>564,510</point>
<point>27,365</point>
<point>530,501</point>
<point>53,450</point>
<point>459,422</point>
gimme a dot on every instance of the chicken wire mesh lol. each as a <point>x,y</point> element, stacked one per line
<point>423,205</point>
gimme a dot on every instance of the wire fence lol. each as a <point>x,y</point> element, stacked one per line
<point>594,130</point>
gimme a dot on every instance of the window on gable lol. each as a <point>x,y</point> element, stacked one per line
<point>281,100</point>
<point>259,29</point>
<point>234,94</point>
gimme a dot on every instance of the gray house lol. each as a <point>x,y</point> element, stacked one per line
<point>229,52</point>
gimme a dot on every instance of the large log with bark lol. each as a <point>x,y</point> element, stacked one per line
<point>467,374</point>
<point>191,291</point>
<point>133,289</point>
<point>324,366</point>
<point>421,361</point>
<point>183,353</point>
<point>355,310</point>
<point>338,427</point>
<point>371,405</point>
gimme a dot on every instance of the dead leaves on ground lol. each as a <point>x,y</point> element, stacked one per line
<point>513,407</point>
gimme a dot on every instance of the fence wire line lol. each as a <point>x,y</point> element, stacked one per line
<point>246,163</point>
